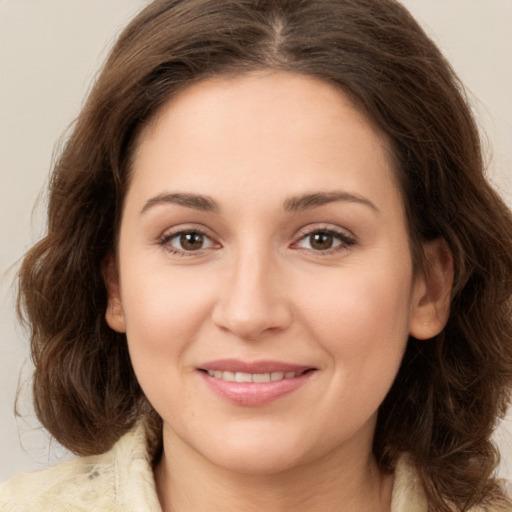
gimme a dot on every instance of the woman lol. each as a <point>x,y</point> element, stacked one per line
<point>274,275</point>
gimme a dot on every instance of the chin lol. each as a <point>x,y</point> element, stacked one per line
<point>259,451</point>
<point>260,461</point>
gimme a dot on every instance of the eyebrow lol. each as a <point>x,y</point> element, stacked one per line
<point>292,204</point>
<point>195,201</point>
<point>310,201</point>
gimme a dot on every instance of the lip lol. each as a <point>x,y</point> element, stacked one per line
<point>234,365</point>
<point>254,394</point>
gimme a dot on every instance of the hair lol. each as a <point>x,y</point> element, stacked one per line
<point>451,390</point>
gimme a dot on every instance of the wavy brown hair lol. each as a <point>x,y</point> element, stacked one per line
<point>451,390</point>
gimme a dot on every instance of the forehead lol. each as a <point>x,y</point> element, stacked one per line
<point>258,93</point>
<point>263,127</point>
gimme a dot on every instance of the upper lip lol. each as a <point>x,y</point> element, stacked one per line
<point>234,365</point>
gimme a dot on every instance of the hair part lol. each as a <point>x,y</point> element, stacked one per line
<point>450,390</point>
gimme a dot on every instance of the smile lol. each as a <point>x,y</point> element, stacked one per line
<point>254,384</point>
<point>252,377</point>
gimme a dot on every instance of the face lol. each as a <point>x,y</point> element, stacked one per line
<point>264,276</point>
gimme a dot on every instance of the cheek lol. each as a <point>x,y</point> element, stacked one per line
<point>361,315</point>
<point>163,314</point>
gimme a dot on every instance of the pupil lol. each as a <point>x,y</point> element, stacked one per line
<point>191,241</point>
<point>321,241</point>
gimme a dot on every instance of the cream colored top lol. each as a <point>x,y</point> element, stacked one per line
<point>121,480</point>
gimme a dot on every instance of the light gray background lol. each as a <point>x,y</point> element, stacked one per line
<point>50,51</point>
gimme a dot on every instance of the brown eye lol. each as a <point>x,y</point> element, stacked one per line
<point>188,241</point>
<point>325,240</point>
<point>191,241</point>
<point>321,241</point>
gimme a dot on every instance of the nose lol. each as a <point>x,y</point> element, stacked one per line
<point>252,303</point>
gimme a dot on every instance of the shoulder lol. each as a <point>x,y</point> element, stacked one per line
<point>118,480</point>
<point>70,485</point>
<point>409,496</point>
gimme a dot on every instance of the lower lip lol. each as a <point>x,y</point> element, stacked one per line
<point>253,394</point>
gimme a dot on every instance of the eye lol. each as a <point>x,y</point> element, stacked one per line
<point>324,240</point>
<point>187,241</point>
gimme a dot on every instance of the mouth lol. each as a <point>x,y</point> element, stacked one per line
<point>229,376</point>
<point>254,384</point>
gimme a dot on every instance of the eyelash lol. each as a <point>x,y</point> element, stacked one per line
<point>345,241</point>
<point>165,240</point>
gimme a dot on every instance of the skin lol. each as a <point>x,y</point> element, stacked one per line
<point>258,288</point>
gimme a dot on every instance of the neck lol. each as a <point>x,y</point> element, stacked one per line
<point>187,483</point>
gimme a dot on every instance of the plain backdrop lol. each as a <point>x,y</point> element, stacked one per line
<point>50,51</point>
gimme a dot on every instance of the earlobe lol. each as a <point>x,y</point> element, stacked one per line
<point>430,307</point>
<point>114,315</point>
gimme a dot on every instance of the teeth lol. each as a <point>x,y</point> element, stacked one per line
<point>230,376</point>
<point>243,377</point>
<point>252,377</point>
<point>261,377</point>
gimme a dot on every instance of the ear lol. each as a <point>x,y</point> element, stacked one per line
<point>114,314</point>
<point>430,307</point>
